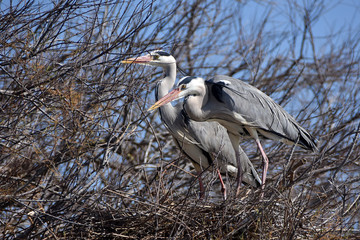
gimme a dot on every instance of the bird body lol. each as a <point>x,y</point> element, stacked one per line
<point>206,144</point>
<point>242,109</point>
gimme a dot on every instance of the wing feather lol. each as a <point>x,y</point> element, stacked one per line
<point>203,142</point>
<point>213,138</point>
<point>260,111</point>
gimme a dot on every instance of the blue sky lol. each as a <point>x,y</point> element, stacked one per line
<point>339,19</point>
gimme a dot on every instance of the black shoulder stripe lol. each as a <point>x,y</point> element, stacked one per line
<point>186,80</point>
<point>222,85</point>
<point>217,91</point>
<point>162,53</point>
<point>186,118</point>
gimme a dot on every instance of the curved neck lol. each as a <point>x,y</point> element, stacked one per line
<point>167,112</point>
<point>167,83</point>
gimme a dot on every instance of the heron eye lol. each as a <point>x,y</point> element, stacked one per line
<point>155,57</point>
<point>183,87</point>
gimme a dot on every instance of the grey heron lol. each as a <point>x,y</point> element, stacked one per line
<point>242,109</point>
<point>205,144</point>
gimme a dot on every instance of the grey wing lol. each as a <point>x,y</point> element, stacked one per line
<point>213,138</point>
<point>259,111</point>
<point>203,142</point>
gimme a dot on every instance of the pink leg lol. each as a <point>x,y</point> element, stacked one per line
<point>265,162</point>
<point>202,189</point>
<point>223,188</point>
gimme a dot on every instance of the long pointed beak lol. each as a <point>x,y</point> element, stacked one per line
<point>171,96</point>
<point>142,59</point>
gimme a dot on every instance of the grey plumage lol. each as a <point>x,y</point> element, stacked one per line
<point>259,111</point>
<point>242,109</point>
<point>213,140</point>
<point>206,144</point>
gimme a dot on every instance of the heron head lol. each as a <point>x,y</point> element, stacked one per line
<point>155,58</point>
<point>187,86</point>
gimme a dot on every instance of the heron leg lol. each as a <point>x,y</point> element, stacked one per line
<point>239,174</point>
<point>223,187</point>
<point>235,141</point>
<point>265,164</point>
<point>201,185</point>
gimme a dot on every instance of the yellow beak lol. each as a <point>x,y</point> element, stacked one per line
<point>171,96</point>
<point>142,59</point>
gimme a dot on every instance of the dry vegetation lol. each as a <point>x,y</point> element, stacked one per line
<point>82,159</point>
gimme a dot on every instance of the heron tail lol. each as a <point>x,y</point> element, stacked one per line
<point>307,141</point>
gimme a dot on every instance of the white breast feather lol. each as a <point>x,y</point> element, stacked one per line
<point>185,138</point>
